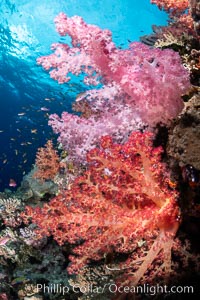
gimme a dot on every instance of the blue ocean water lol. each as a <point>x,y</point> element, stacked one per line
<point>27,94</point>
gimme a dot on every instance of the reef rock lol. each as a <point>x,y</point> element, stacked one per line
<point>184,138</point>
<point>32,187</point>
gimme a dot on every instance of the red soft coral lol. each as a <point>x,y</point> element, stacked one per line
<point>121,199</point>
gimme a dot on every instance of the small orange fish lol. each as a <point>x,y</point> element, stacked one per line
<point>172,184</point>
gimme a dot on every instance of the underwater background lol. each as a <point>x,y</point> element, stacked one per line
<point>27,93</point>
<point>100,174</point>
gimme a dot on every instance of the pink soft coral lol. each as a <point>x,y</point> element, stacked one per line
<point>151,81</point>
<point>139,85</point>
<point>79,135</point>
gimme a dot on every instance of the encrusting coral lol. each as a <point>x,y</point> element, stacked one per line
<point>184,139</point>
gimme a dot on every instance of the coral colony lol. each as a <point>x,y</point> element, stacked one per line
<point>117,208</point>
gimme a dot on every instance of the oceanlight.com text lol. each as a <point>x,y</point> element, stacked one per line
<point>113,288</point>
